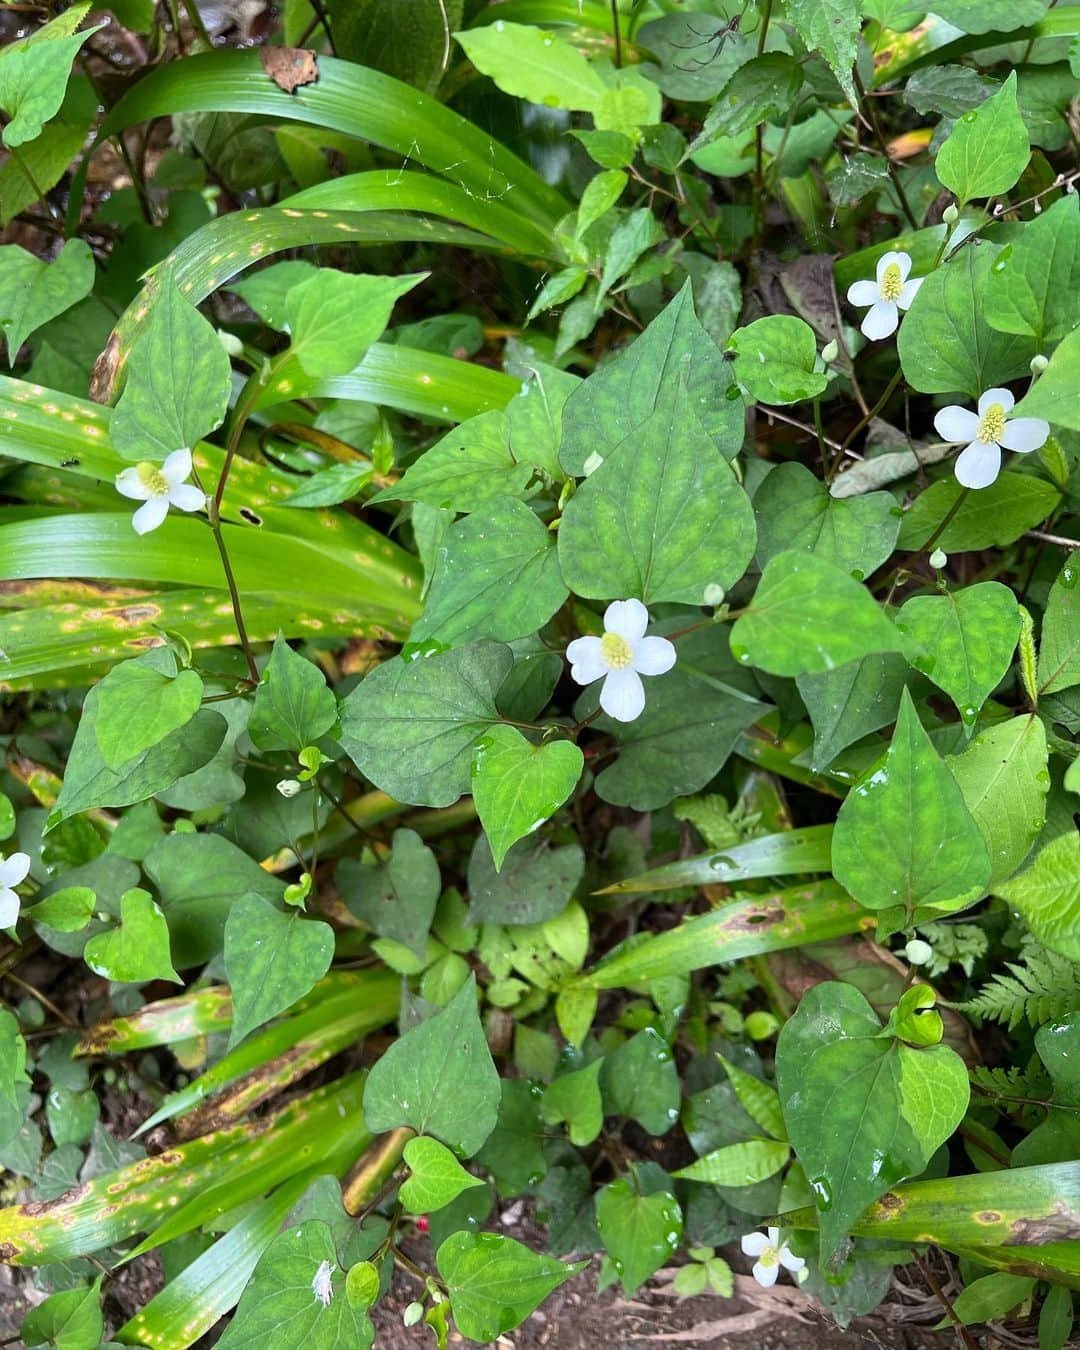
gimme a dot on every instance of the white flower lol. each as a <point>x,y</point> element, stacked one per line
<point>887,295</point>
<point>620,658</point>
<point>986,432</point>
<point>288,787</point>
<point>13,870</point>
<point>771,1254</point>
<point>160,486</point>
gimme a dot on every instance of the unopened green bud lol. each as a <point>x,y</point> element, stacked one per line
<point>830,352</point>
<point>412,1314</point>
<point>1038,364</point>
<point>938,559</point>
<point>951,214</point>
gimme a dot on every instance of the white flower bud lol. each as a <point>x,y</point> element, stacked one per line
<point>288,787</point>
<point>918,952</point>
<point>714,594</point>
<point>232,344</point>
<point>830,352</point>
<point>938,559</point>
<point>593,463</point>
<point>951,214</point>
<point>412,1314</point>
<point>1038,364</point>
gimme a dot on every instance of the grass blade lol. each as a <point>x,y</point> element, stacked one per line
<point>746,927</point>
<point>772,855</point>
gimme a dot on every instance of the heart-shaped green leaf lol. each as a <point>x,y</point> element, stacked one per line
<point>139,949</point>
<point>517,785</point>
<point>435,1176</point>
<point>271,960</point>
<point>904,835</point>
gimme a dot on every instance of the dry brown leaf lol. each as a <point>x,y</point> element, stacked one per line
<point>289,67</point>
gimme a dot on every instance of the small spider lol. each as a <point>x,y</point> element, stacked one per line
<point>719,36</point>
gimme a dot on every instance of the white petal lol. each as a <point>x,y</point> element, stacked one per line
<point>586,661</point>
<point>9,908</point>
<point>978,465</point>
<point>908,291</point>
<point>1025,434</point>
<point>187,497</point>
<point>177,466</point>
<point>1001,396</point>
<point>150,515</point>
<point>774,1236</point>
<point>956,424</point>
<point>129,484</point>
<point>622,695</point>
<point>753,1244</point>
<point>653,656</point>
<point>765,1275</point>
<point>788,1261</point>
<point>863,293</point>
<point>15,869</point>
<point>627,618</point>
<point>880,321</point>
<point>901,259</point>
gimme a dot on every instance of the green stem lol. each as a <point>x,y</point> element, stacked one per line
<point>618,35</point>
<point>820,429</point>
<point>879,136</point>
<point>234,594</point>
<point>928,547</point>
<point>865,420</point>
<point>759,159</point>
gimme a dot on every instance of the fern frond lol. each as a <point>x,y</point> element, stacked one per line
<point>1031,1082</point>
<point>1044,987</point>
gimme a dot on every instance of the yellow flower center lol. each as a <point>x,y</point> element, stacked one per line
<point>152,479</point>
<point>992,425</point>
<point>769,1257</point>
<point>615,651</point>
<point>892,283</point>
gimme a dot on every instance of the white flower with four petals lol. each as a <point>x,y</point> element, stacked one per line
<point>13,871</point>
<point>159,486</point>
<point>771,1255</point>
<point>887,295</point>
<point>620,658</point>
<point>987,432</point>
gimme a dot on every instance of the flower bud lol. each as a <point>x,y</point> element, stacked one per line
<point>1038,364</point>
<point>288,787</point>
<point>830,352</point>
<point>951,214</point>
<point>232,344</point>
<point>592,463</point>
<point>918,952</point>
<point>938,559</point>
<point>714,594</point>
<point>412,1314</point>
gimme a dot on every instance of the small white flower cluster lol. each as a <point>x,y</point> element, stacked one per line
<point>771,1254</point>
<point>159,486</point>
<point>13,872</point>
